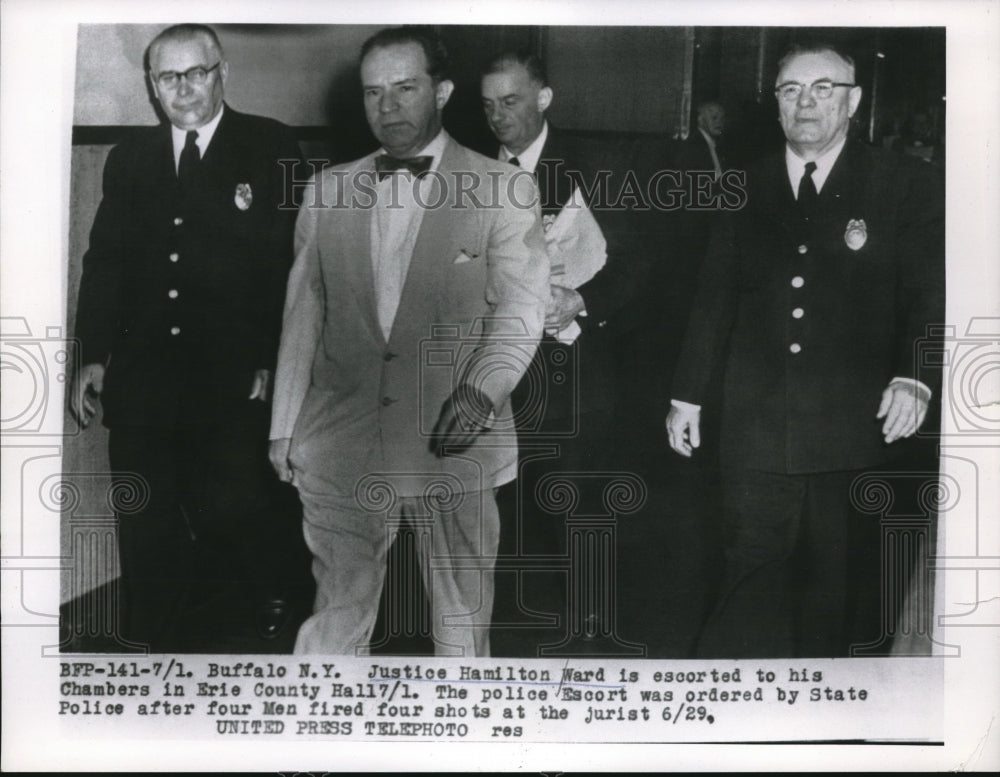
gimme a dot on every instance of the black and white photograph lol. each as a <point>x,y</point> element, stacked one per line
<point>514,377</point>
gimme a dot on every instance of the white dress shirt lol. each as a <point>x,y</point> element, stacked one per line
<point>711,148</point>
<point>205,133</point>
<point>796,166</point>
<point>527,159</point>
<point>394,229</point>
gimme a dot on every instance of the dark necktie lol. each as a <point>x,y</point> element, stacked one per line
<point>807,191</point>
<point>514,161</point>
<point>190,157</point>
<point>386,165</point>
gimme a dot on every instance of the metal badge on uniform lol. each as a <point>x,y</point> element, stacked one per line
<point>244,196</point>
<point>856,234</point>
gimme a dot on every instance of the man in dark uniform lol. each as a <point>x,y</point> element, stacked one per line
<point>178,321</point>
<point>701,150</point>
<point>813,298</point>
<point>565,403</point>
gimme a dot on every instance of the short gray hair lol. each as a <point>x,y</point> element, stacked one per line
<point>183,33</point>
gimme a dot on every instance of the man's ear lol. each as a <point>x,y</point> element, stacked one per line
<point>854,100</point>
<point>544,98</point>
<point>224,71</point>
<point>443,92</point>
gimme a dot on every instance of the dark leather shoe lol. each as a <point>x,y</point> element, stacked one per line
<point>272,616</point>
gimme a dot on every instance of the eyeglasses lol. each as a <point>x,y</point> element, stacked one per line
<point>196,76</point>
<point>819,90</point>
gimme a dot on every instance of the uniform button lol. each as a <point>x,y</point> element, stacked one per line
<point>803,248</point>
<point>798,313</point>
<point>174,257</point>
<point>795,348</point>
<point>388,356</point>
<point>798,282</point>
<point>178,221</point>
<point>386,401</point>
<point>175,330</point>
<point>172,294</point>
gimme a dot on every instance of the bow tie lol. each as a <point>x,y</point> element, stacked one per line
<point>418,165</point>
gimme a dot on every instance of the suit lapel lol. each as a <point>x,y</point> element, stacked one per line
<point>842,194</point>
<point>432,241</point>
<point>223,152</point>
<point>160,166</point>
<point>770,195</point>
<point>355,240</point>
<point>554,183</point>
<point>551,173</point>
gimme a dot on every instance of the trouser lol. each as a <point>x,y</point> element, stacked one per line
<point>802,568</point>
<point>559,477</point>
<point>203,509</point>
<point>349,546</point>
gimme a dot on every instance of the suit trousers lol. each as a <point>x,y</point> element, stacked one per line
<point>205,511</point>
<point>457,551</point>
<point>532,594</point>
<point>801,568</point>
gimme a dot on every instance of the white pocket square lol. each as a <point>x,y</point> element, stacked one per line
<point>463,257</point>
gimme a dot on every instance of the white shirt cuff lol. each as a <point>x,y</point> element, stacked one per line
<point>914,382</point>
<point>685,405</point>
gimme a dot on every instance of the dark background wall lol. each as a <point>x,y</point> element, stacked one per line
<point>629,90</point>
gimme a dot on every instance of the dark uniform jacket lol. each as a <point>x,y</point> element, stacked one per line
<point>812,323</point>
<point>181,297</point>
<point>590,362</point>
<point>694,153</point>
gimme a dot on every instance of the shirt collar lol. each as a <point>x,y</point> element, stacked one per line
<point>205,134</point>
<point>796,165</point>
<point>434,149</point>
<point>528,159</point>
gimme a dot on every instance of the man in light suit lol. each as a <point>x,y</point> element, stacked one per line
<point>415,303</point>
<point>813,298</point>
<point>566,407</point>
<point>178,322</point>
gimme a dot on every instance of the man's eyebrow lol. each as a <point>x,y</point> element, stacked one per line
<point>503,96</point>
<point>814,81</point>
<point>400,82</point>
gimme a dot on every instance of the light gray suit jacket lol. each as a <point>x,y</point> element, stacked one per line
<point>359,409</point>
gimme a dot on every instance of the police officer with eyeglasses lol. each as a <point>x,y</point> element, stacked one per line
<point>178,321</point>
<point>812,302</point>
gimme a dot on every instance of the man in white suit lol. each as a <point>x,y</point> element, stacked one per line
<point>416,302</point>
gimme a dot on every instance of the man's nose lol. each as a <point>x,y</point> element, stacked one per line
<point>386,103</point>
<point>495,114</point>
<point>806,96</point>
<point>183,87</point>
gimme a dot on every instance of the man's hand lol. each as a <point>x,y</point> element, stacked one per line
<point>85,391</point>
<point>903,407</point>
<point>563,307</point>
<point>261,385</point>
<point>464,416</point>
<point>684,429</point>
<point>277,452</point>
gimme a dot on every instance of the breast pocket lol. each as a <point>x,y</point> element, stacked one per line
<point>465,284</point>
